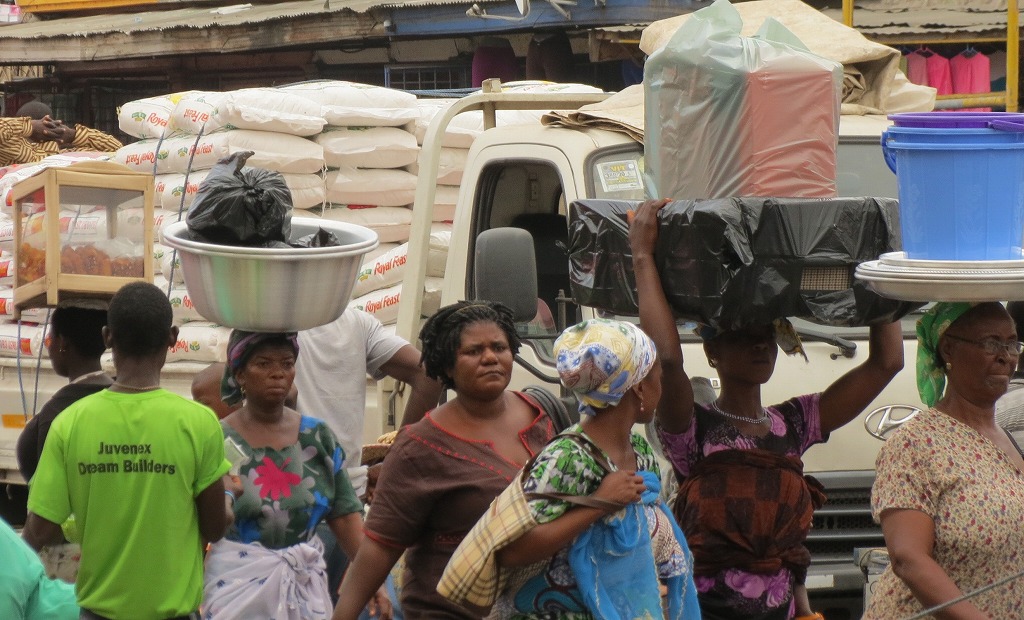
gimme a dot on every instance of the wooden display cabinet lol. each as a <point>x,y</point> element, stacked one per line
<point>81,231</point>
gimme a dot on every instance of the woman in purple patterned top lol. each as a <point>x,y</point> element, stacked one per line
<point>743,502</point>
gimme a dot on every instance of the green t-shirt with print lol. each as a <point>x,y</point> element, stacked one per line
<point>129,467</point>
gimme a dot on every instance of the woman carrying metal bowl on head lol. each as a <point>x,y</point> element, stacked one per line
<point>270,563</point>
<point>949,490</point>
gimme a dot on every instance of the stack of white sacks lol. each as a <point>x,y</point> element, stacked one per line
<point>347,151</point>
<point>344,149</point>
<point>368,150</point>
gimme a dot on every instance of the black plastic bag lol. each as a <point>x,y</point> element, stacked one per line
<point>320,239</point>
<point>733,262</point>
<point>241,206</point>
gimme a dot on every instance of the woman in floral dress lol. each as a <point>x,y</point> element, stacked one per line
<point>270,564</point>
<point>949,487</point>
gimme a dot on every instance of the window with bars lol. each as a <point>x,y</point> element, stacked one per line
<point>428,77</point>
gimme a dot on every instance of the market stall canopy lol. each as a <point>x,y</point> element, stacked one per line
<point>870,69</point>
<point>189,31</point>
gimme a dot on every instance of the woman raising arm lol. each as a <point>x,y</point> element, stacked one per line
<point>755,570</point>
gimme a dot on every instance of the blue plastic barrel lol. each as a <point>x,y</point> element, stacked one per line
<point>961,190</point>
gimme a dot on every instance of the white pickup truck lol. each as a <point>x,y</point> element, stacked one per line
<point>524,176</point>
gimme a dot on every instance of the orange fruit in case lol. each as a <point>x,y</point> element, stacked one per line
<point>84,260</point>
<point>31,263</point>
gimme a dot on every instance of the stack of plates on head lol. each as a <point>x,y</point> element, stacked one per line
<point>895,276</point>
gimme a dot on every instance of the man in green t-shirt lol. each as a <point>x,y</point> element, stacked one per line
<point>141,470</point>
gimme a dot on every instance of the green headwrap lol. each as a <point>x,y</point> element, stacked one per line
<point>931,376</point>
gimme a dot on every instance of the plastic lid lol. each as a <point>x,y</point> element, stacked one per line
<point>953,120</point>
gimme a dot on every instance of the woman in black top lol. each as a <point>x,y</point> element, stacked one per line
<point>75,347</point>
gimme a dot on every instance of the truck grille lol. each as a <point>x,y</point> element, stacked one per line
<point>843,524</point>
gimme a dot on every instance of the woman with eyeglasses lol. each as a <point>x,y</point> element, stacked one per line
<point>949,491</point>
<point>743,502</point>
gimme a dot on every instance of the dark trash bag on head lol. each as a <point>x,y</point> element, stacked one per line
<point>732,262</point>
<point>241,206</point>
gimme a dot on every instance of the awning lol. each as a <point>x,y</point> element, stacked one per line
<point>926,17</point>
<point>309,23</point>
<point>189,31</point>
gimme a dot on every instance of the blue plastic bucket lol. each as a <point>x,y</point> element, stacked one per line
<point>961,190</point>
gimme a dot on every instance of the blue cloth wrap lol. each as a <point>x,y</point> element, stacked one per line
<point>615,569</point>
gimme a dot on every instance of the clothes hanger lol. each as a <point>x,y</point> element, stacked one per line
<point>969,52</point>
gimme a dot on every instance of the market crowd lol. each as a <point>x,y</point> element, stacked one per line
<point>257,500</point>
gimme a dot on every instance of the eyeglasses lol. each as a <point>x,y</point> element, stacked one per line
<point>993,346</point>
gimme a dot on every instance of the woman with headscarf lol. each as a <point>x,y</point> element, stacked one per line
<point>442,472</point>
<point>270,564</point>
<point>605,560</point>
<point>749,564</point>
<point>948,490</point>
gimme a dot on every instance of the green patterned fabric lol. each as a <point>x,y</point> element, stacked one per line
<point>931,375</point>
<point>549,591</point>
<point>566,467</point>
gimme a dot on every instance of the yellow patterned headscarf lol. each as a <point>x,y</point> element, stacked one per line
<point>931,375</point>
<point>600,360</point>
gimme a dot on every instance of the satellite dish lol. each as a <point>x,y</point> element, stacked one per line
<point>523,6</point>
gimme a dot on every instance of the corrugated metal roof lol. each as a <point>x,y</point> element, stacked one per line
<point>194,30</point>
<point>187,18</point>
<point>923,21</point>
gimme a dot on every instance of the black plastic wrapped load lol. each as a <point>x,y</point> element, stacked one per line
<point>732,262</point>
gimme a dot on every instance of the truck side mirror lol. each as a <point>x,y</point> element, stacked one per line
<point>505,270</point>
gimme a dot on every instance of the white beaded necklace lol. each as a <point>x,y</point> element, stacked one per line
<point>762,419</point>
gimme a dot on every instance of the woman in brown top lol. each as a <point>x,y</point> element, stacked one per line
<point>443,471</point>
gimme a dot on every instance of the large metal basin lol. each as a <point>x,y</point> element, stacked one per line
<point>276,289</point>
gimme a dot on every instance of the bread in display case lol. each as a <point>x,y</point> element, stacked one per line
<point>77,233</point>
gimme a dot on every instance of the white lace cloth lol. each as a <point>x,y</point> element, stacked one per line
<point>246,581</point>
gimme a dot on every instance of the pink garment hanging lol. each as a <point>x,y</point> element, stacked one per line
<point>917,71</point>
<point>939,76</point>
<point>970,75</point>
